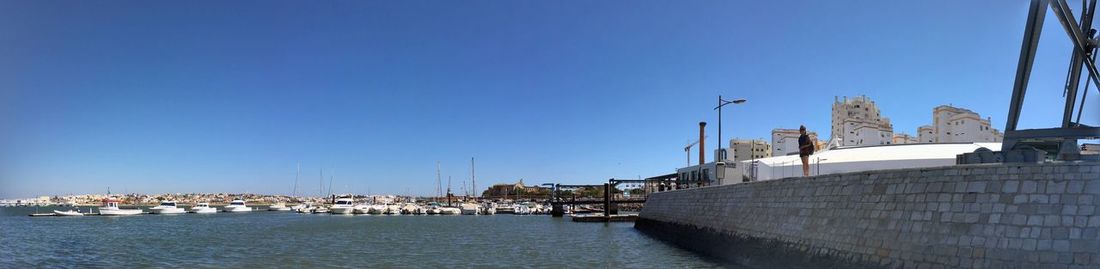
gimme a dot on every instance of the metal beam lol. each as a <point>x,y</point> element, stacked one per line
<point>1074,76</point>
<point>1032,30</point>
<point>1077,132</point>
<point>1080,42</point>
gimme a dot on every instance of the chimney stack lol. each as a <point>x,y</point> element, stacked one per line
<point>702,142</point>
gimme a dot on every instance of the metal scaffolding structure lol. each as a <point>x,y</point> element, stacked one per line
<point>1059,143</point>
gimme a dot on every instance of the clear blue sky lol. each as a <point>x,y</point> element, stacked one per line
<point>225,96</point>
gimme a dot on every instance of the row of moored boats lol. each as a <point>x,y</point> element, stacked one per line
<point>347,206</point>
<point>341,206</point>
<point>110,208</point>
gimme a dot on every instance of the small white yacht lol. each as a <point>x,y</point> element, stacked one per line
<point>393,210</point>
<point>203,208</point>
<point>68,213</point>
<point>237,205</point>
<point>376,209</point>
<point>361,209</point>
<point>489,209</point>
<point>521,210</point>
<point>167,207</point>
<point>469,209</point>
<point>343,206</point>
<point>449,211</point>
<point>319,210</point>
<point>280,206</point>
<point>410,209</point>
<point>110,208</point>
<point>302,208</point>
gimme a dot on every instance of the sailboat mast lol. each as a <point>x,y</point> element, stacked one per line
<point>321,184</point>
<point>296,174</point>
<point>473,179</point>
<point>438,182</point>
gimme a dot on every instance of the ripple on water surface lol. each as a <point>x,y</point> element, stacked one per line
<point>281,239</point>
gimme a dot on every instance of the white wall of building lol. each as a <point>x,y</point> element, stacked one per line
<point>709,174</point>
<point>785,141</point>
<point>750,149</point>
<point>845,160</point>
<point>857,121</point>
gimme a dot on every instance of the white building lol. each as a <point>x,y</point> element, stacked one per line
<point>902,138</point>
<point>861,133</point>
<point>750,149</point>
<point>926,134</point>
<point>858,122</point>
<point>953,124</point>
<point>785,141</point>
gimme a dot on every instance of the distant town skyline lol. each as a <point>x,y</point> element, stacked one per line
<point>204,97</point>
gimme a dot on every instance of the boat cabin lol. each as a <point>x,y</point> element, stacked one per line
<point>110,203</point>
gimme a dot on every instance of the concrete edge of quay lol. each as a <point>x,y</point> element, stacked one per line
<point>963,216</point>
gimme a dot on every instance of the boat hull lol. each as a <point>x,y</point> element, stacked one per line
<point>241,209</point>
<point>206,210</point>
<point>68,213</point>
<point>342,210</point>
<point>120,212</point>
<point>174,210</point>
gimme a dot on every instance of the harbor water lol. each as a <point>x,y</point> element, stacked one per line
<point>279,239</point>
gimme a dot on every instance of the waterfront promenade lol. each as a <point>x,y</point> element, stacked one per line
<point>966,216</point>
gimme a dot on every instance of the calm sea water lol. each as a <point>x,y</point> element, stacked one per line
<point>282,239</point>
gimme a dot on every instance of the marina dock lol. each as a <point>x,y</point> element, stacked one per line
<point>602,218</point>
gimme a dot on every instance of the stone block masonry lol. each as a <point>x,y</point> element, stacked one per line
<point>966,216</point>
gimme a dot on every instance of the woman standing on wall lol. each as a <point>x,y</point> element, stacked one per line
<point>805,149</point>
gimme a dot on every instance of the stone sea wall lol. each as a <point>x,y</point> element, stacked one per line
<point>967,216</point>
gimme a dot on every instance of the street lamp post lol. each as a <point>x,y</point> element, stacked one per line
<point>721,103</point>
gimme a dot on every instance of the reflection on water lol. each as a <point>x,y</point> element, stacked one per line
<point>282,239</point>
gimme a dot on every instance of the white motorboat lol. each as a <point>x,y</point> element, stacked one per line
<point>489,209</point>
<point>432,210</point>
<point>361,209</point>
<point>68,213</point>
<point>167,207</point>
<point>278,207</point>
<point>343,206</point>
<point>236,206</point>
<point>521,210</point>
<point>469,209</point>
<point>449,211</point>
<point>410,209</point>
<point>392,210</point>
<point>376,209</point>
<point>302,208</point>
<point>203,208</point>
<point>319,210</point>
<point>110,208</point>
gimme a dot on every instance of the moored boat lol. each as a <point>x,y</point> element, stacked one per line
<point>203,208</point>
<point>343,206</point>
<point>278,207</point>
<point>68,213</point>
<point>236,206</point>
<point>167,207</point>
<point>110,208</point>
<point>469,209</point>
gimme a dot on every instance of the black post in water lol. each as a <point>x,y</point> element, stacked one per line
<point>607,200</point>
